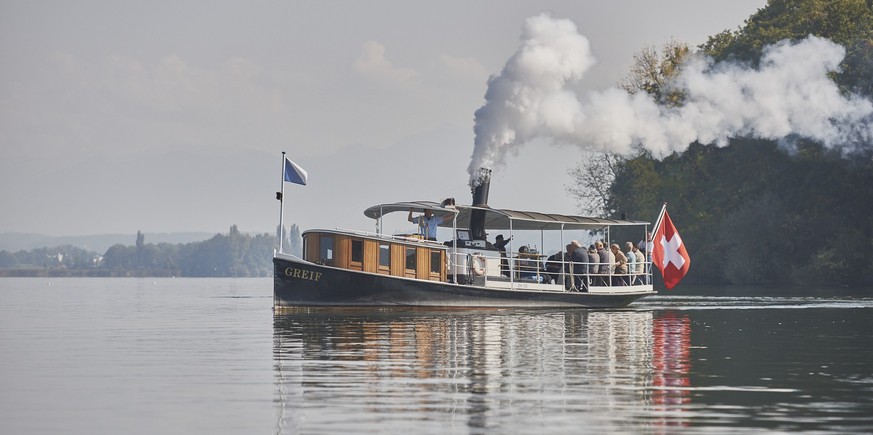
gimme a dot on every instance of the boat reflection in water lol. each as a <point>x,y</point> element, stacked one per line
<point>509,371</point>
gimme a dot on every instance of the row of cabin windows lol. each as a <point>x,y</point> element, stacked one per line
<point>385,255</point>
<point>326,255</point>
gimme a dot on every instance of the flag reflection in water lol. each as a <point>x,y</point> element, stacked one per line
<point>502,370</point>
<point>671,348</point>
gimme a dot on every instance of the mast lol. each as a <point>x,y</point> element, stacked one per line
<point>280,195</point>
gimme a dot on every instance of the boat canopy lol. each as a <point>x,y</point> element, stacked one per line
<point>502,219</point>
<point>378,211</point>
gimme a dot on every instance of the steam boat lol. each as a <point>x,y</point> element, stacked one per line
<point>352,268</point>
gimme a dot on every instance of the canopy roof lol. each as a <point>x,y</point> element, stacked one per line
<point>377,211</point>
<point>500,219</point>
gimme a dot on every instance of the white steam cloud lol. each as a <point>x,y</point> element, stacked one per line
<point>788,94</point>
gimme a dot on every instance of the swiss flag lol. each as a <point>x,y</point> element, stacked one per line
<point>668,252</point>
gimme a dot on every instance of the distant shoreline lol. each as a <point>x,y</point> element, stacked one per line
<point>99,243</point>
<point>94,273</point>
<point>74,273</point>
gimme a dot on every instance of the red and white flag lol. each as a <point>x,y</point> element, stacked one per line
<point>668,252</point>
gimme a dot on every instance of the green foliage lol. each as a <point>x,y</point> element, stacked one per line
<point>746,240</point>
<point>234,254</point>
<point>846,22</point>
<point>761,212</point>
<point>754,213</point>
<point>60,256</point>
<point>295,241</point>
<point>652,70</point>
<point>592,179</point>
<point>231,255</point>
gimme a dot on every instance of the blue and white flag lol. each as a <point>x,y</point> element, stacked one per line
<point>294,173</point>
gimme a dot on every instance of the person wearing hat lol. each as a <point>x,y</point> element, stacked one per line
<point>500,244</point>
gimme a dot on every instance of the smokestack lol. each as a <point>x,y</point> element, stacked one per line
<point>479,188</point>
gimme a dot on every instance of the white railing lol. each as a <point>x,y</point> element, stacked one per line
<point>572,275</point>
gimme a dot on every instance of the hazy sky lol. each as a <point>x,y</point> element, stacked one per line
<point>171,116</point>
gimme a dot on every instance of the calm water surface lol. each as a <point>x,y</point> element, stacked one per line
<point>171,356</point>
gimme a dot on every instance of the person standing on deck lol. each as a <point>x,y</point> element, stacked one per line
<point>569,281</point>
<point>428,223</point>
<point>640,265</point>
<point>631,262</point>
<point>603,271</point>
<point>619,266</point>
<point>646,246</point>
<point>500,243</point>
<point>580,268</point>
<point>593,264</point>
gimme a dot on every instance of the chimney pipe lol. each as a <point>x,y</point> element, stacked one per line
<point>479,189</point>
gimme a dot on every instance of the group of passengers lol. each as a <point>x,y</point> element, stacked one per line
<point>600,264</point>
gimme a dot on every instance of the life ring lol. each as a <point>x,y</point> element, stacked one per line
<point>477,265</point>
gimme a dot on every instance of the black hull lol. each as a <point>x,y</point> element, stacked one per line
<point>298,283</point>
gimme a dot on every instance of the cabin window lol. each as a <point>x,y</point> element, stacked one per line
<point>357,251</point>
<point>325,250</point>
<point>435,263</point>
<point>410,257</point>
<point>384,255</point>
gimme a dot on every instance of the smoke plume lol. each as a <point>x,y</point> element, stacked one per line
<point>789,94</point>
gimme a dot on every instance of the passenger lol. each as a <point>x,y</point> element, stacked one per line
<point>631,262</point>
<point>608,248</point>
<point>553,268</point>
<point>500,244</point>
<point>620,271</point>
<point>580,266</point>
<point>526,266</point>
<point>647,246</point>
<point>603,271</point>
<point>640,265</point>
<point>593,264</point>
<point>428,223</point>
<point>568,268</point>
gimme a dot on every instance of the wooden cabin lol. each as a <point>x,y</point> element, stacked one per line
<point>403,256</point>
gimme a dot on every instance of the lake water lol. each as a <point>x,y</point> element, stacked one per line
<point>181,356</point>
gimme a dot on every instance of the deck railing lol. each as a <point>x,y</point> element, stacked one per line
<point>571,274</point>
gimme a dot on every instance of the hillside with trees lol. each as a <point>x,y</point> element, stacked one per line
<point>234,254</point>
<point>757,211</point>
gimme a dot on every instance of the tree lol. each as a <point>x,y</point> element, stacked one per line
<point>592,179</point>
<point>760,211</point>
<point>119,258</point>
<point>846,22</point>
<point>294,241</point>
<point>234,254</point>
<point>652,71</point>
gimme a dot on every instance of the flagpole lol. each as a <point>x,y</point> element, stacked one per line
<point>282,206</point>
<point>649,260</point>
<point>660,218</point>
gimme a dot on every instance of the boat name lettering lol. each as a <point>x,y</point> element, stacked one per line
<point>294,272</point>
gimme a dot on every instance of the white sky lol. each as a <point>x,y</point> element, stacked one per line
<point>169,116</point>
